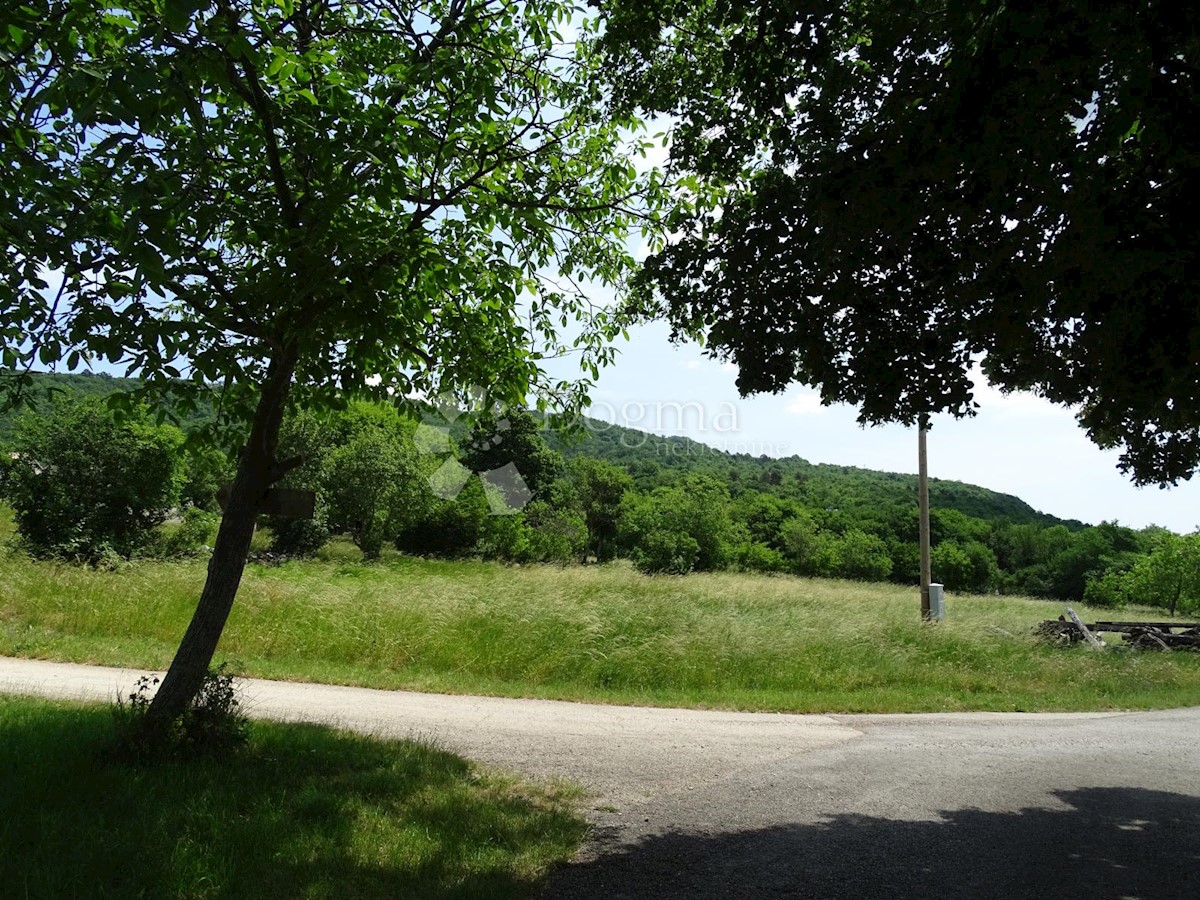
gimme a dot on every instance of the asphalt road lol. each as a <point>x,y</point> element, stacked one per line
<point>697,804</point>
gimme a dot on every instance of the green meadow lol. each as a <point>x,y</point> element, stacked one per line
<point>599,633</point>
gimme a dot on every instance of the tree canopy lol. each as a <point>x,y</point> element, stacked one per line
<point>386,196</point>
<point>883,194</point>
<point>370,191</point>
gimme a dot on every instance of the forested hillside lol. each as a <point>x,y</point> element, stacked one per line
<point>514,489</point>
<point>651,458</point>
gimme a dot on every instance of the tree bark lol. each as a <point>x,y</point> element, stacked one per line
<point>255,474</point>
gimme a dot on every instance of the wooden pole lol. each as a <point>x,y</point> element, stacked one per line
<point>923,502</point>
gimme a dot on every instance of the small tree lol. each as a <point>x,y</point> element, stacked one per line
<point>371,488</point>
<point>1168,577</point>
<point>290,194</point>
<point>84,484</point>
<point>968,566</point>
<point>864,556</point>
<point>600,487</point>
<point>555,534</point>
<point>512,438</point>
<point>679,528</point>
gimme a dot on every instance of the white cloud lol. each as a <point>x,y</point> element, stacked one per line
<point>1023,403</point>
<point>805,403</point>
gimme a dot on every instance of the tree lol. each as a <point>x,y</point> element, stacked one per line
<point>372,489</point>
<point>555,534</point>
<point>600,486</point>
<point>679,528</point>
<point>966,566</point>
<point>881,194</point>
<point>84,485</point>
<point>1167,577</point>
<point>290,198</point>
<point>864,556</point>
<point>512,438</point>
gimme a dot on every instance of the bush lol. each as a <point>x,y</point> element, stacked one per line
<point>965,567</point>
<point>554,535</point>
<point>449,527</point>
<point>85,486</point>
<point>666,553</point>
<point>212,725</point>
<point>504,537</point>
<point>371,487</point>
<point>758,557</point>
<point>193,534</point>
<point>679,528</point>
<point>298,537</point>
<point>207,469</point>
<point>864,557</point>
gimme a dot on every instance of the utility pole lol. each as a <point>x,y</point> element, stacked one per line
<point>923,502</point>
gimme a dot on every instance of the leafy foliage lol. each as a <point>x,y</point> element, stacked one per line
<point>511,438</point>
<point>601,486</point>
<point>213,724</point>
<point>679,529</point>
<point>84,485</point>
<point>293,197</point>
<point>369,187</point>
<point>880,194</point>
<point>1168,577</point>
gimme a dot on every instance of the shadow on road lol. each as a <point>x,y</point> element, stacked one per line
<point>1111,843</point>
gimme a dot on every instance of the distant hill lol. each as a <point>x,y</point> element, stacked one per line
<point>46,385</point>
<point>649,457</point>
<point>652,460</point>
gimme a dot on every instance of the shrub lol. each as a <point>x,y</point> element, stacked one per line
<point>679,528</point>
<point>207,468</point>
<point>864,557</point>
<point>213,724</point>
<point>371,487</point>
<point>298,537</point>
<point>666,553</point>
<point>450,527</point>
<point>758,557</point>
<point>600,487</point>
<point>554,535</point>
<point>194,533</point>
<point>86,486</point>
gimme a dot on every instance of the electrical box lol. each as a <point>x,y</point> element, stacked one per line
<point>937,602</point>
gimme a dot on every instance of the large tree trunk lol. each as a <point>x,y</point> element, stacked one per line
<point>254,476</point>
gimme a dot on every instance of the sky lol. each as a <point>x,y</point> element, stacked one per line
<point>1017,444</point>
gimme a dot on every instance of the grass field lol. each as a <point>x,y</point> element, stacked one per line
<point>603,633</point>
<point>301,812</point>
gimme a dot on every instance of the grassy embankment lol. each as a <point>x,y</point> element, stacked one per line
<point>302,811</point>
<point>601,633</point>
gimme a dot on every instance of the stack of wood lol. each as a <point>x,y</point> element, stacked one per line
<point>1065,631</point>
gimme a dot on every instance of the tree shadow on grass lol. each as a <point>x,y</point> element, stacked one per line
<point>1110,843</point>
<point>303,812</point>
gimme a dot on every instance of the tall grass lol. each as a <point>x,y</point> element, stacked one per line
<point>601,633</point>
<point>302,812</point>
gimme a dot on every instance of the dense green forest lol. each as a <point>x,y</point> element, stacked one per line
<point>651,458</point>
<point>513,488</point>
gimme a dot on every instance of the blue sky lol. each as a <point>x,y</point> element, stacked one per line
<point>1018,444</point>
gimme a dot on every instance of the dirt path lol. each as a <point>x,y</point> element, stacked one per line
<point>693,803</point>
